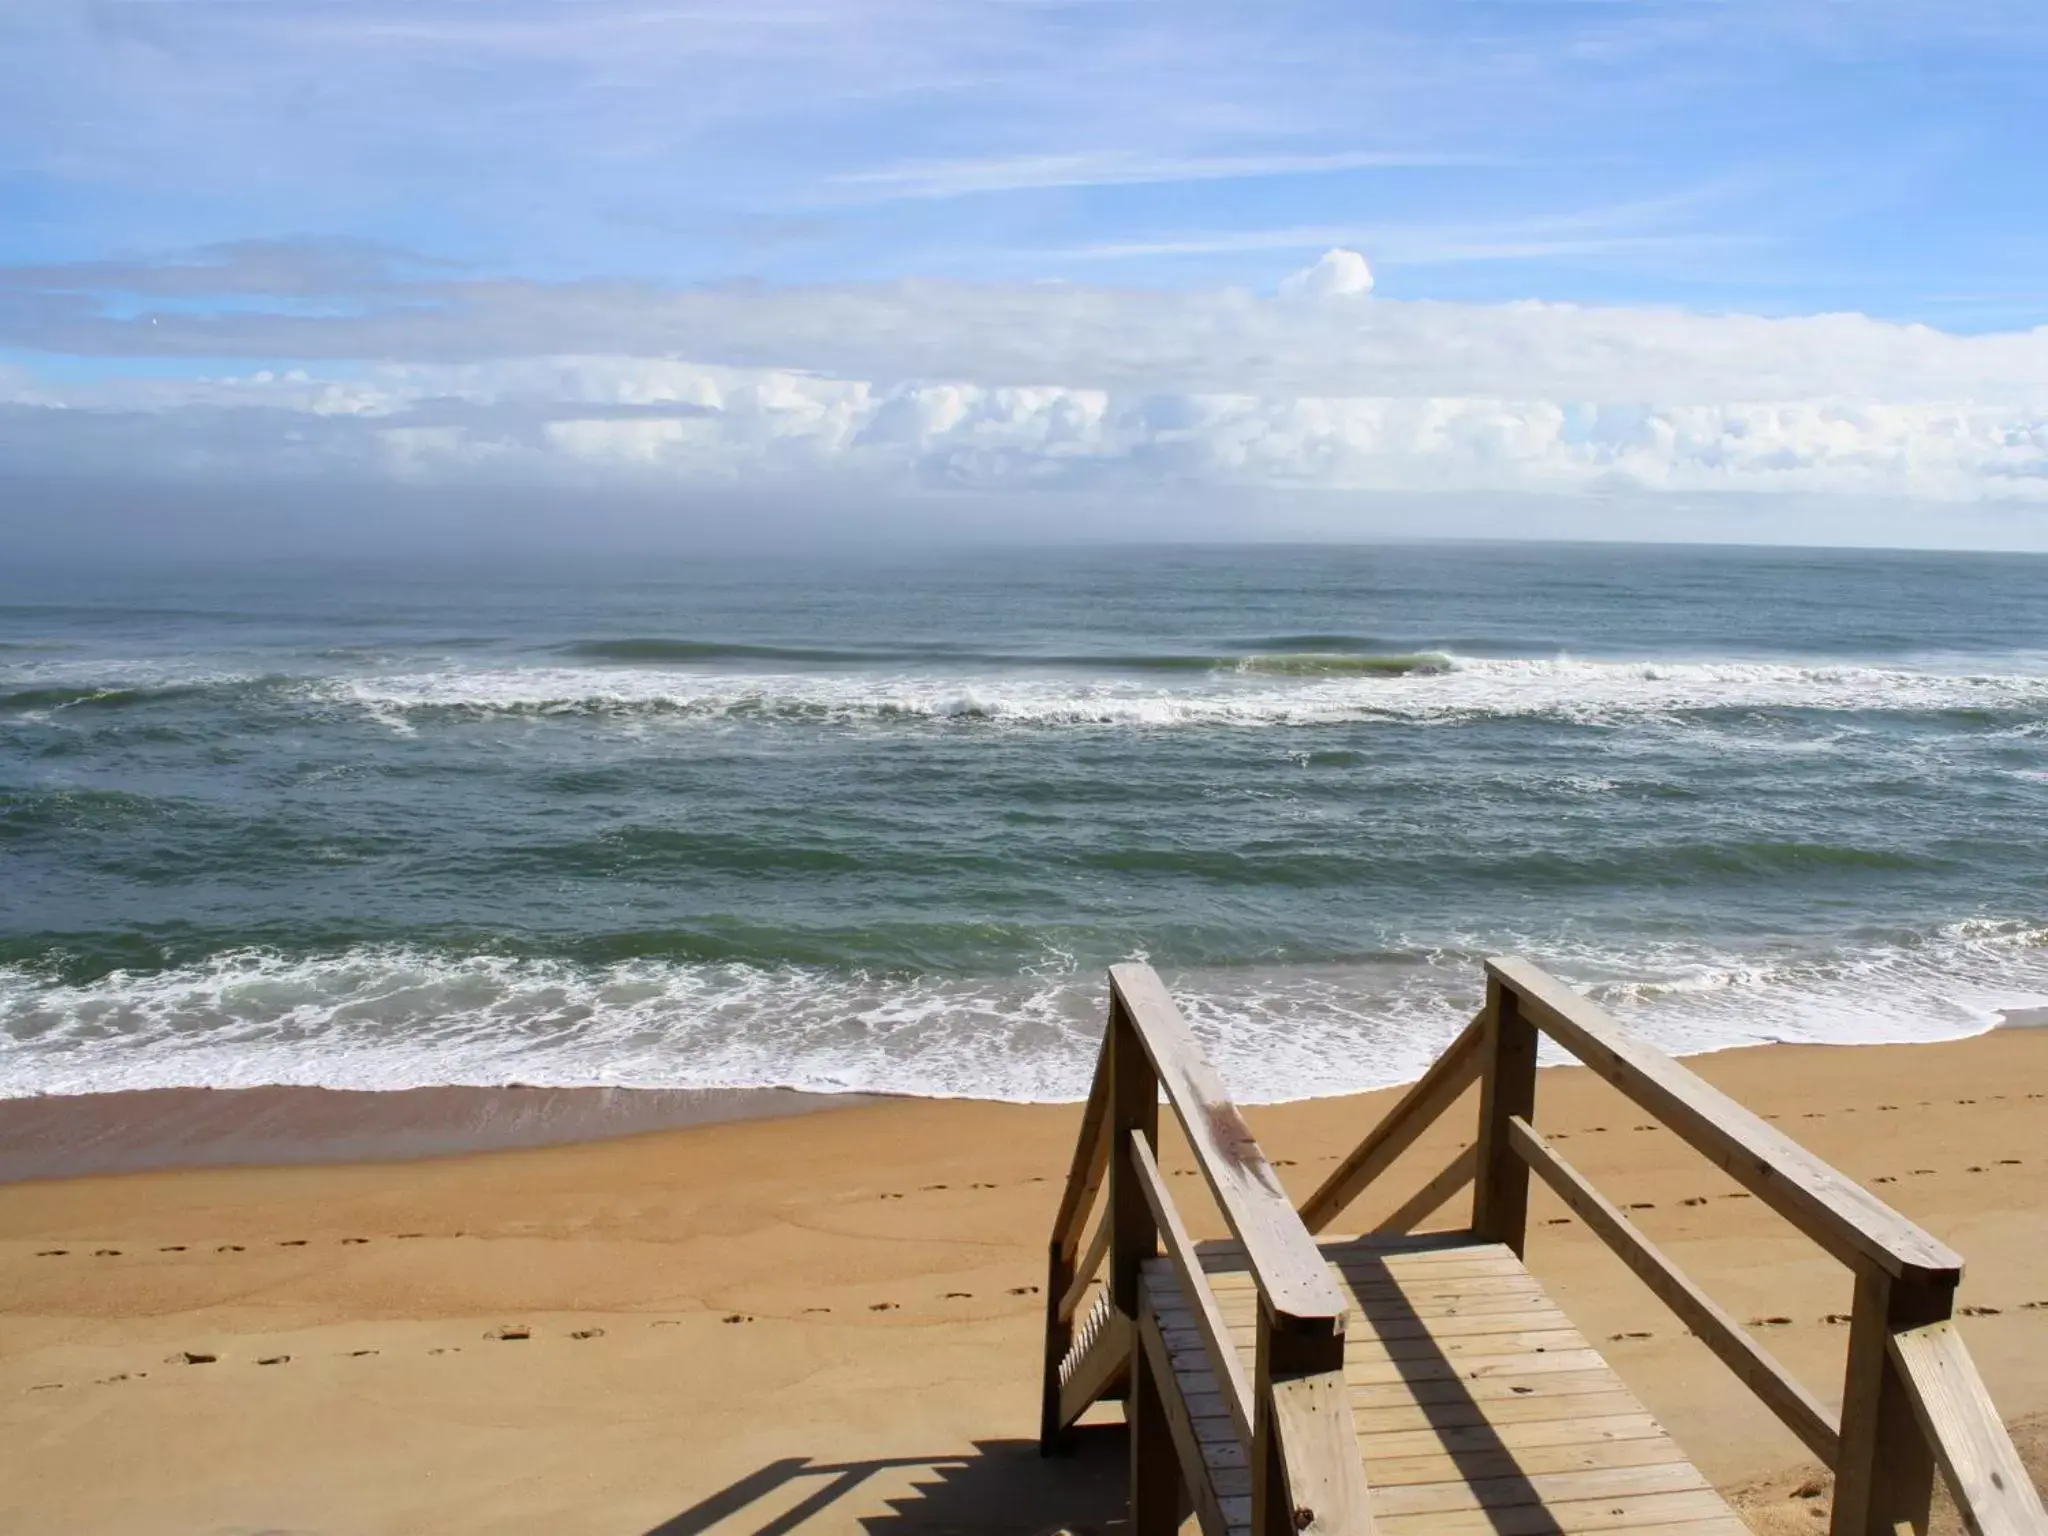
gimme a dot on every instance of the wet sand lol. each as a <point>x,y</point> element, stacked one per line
<point>831,1322</point>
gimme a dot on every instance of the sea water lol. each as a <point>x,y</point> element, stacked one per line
<point>881,822</point>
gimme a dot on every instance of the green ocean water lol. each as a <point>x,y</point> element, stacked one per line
<point>880,823</point>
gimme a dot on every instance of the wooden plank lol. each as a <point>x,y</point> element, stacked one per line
<point>1091,1157</point>
<point>1961,1423</point>
<point>1434,1092</point>
<point>1757,1368</point>
<point>1700,1509</point>
<point>1327,1493</point>
<point>1539,1488</point>
<point>1084,1177</point>
<point>1421,1346</point>
<point>1192,1463</point>
<point>1530,1461</point>
<point>1291,1274</point>
<point>1507,1091</point>
<point>1429,1199</point>
<point>1155,1460</point>
<point>1516,1317</point>
<point>1499,1415</point>
<point>1470,1369</point>
<point>1829,1207</point>
<point>1485,1389</point>
<point>1386,1444</point>
<point>1084,1272</point>
<point>1211,1334</point>
<point>1133,1113</point>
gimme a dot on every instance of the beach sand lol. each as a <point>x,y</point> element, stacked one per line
<point>832,1321</point>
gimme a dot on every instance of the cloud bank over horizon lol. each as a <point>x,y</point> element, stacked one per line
<point>281,360</point>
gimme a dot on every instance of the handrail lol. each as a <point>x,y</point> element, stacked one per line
<point>1984,1471</point>
<point>1833,1209</point>
<point>1293,1281</point>
<point>1911,1397</point>
<point>1762,1374</point>
<point>1194,1284</point>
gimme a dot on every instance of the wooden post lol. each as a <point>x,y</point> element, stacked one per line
<point>1283,1355</point>
<point>1059,1338</point>
<point>1507,1089</point>
<point>1884,1477</point>
<point>1156,1499</point>
<point>1133,1111</point>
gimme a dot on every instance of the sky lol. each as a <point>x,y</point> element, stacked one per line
<point>1777,268</point>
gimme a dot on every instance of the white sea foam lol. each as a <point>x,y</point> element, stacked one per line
<point>1589,692</point>
<point>393,1017</point>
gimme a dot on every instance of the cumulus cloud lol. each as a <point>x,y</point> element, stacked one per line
<point>1338,274</point>
<point>408,372</point>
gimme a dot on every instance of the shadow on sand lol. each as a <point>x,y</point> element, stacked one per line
<point>1002,1488</point>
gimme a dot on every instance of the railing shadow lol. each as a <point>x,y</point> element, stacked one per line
<point>1001,1488</point>
<point>1434,1380</point>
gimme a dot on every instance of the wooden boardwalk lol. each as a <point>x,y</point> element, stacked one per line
<point>1278,1384</point>
<point>1477,1405</point>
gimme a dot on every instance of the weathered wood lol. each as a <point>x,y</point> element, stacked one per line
<point>1431,1094</point>
<point>1084,1272</point>
<point>1539,1488</point>
<point>1507,1090</point>
<point>1198,1461</point>
<point>1091,1155</point>
<point>1779,1390</point>
<point>1291,1274</point>
<point>1212,1330</point>
<point>1700,1512</point>
<point>1834,1210</point>
<point>1326,1492</point>
<point>1133,1112</point>
<point>1961,1423</point>
<point>1303,1442</point>
<point>1155,1478</point>
<point>1884,1477</point>
<point>1084,1177</point>
<point>1494,1463</point>
<point>1427,1200</point>
<point>1383,1447</point>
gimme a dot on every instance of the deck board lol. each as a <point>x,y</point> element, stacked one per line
<point>1478,1406</point>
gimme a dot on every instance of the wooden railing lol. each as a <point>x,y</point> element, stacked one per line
<point>1293,1416</point>
<point>1911,1396</point>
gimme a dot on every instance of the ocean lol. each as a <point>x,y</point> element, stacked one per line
<point>879,823</point>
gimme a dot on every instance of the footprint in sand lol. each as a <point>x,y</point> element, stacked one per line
<point>2008,1162</point>
<point>1978,1311</point>
<point>587,1333</point>
<point>275,1360</point>
<point>959,1295</point>
<point>881,1306</point>
<point>1770,1322</point>
<point>1885,1178</point>
<point>929,1187</point>
<point>1694,1200</point>
<point>512,1332</point>
<point>1557,1221</point>
<point>412,1234</point>
<point>446,1349</point>
<point>2034,1306</point>
<point>1642,1205</point>
<point>1920,1173</point>
<point>53,1253</point>
<point>106,1253</point>
<point>47,1386</point>
<point>1628,1336</point>
<point>730,1317</point>
<point>807,1312</point>
<point>191,1357</point>
<point>347,1240</point>
<point>1837,1319</point>
<point>230,1248</point>
<point>292,1242</point>
<point>172,1248</point>
<point>357,1354</point>
<point>1023,1290</point>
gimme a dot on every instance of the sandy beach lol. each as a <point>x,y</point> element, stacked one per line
<point>832,1321</point>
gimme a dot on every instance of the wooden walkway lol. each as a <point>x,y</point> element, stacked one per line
<point>1478,1406</point>
<point>1279,1384</point>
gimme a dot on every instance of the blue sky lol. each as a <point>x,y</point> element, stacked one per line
<point>197,189</point>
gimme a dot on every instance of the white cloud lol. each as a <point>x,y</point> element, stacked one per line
<point>1095,168</point>
<point>1337,274</point>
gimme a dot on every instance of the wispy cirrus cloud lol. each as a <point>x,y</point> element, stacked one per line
<point>1101,168</point>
